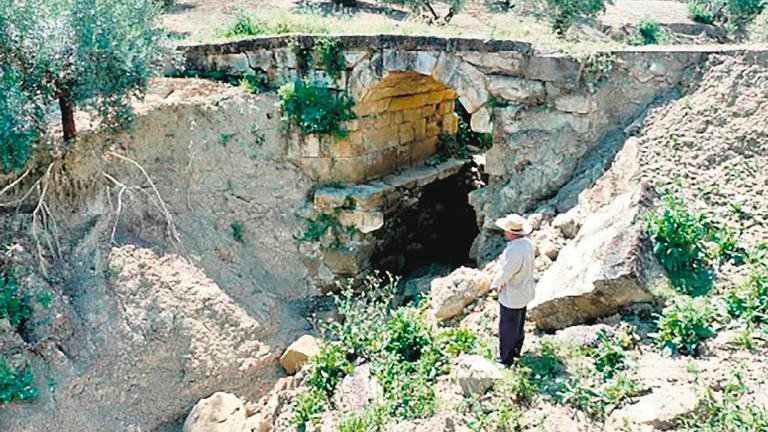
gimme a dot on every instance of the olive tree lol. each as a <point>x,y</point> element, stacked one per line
<point>90,54</point>
<point>427,6</point>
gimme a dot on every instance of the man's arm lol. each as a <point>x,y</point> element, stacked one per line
<point>511,263</point>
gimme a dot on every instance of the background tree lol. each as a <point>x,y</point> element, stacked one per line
<point>92,54</point>
<point>563,13</point>
<point>427,7</point>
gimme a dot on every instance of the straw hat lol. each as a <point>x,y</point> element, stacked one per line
<point>514,224</point>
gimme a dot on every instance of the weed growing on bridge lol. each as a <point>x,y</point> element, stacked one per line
<point>255,83</point>
<point>324,223</point>
<point>331,55</point>
<point>14,306</point>
<point>16,383</point>
<point>598,66</point>
<point>315,108</point>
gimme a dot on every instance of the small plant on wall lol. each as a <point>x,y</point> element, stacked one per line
<point>315,108</point>
<point>331,56</point>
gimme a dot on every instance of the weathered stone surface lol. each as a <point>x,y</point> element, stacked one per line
<point>222,412</point>
<point>516,89</point>
<point>298,353</point>
<point>449,295</point>
<point>475,374</point>
<point>576,289</point>
<point>349,259</point>
<point>481,121</point>
<point>659,409</point>
<point>554,68</point>
<point>574,103</point>
<point>583,334</point>
<point>438,423</point>
<point>422,62</point>
<point>568,223</point>
<point>357,390</point>
<point>506,63</point>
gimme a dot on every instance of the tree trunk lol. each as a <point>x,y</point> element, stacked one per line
<point>67,117</point>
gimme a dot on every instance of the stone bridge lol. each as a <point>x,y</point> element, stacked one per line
<point>556,119</point>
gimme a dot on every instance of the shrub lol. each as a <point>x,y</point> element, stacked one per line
<point>750,301</point>
<point>701,11</point>
<point>456,340</point>
<point>679,237</point>
<point>245,25</point>
<point>743,11</point>
<point>13,306</point>
<point>684,324</point>
<point>328,368</point>
<point>598,66</point>
<point>16,383</point>
<point>563,13</point>
<point>517,383</point>
<point>597,401</point>
<point>255,83</point>
<point>728,412</point>
<point>315,108</point>
<point>545,365</point>
<point>331,56</point>
<point>648,32</point>
<point>308,408</point>
<point>408,334</point>
<point>609,356</point>
<point>371,419</point>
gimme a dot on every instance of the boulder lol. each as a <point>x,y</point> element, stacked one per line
<point>222,412</point>
<point>357,389</point>
<point>475,374</point>
<point>299,353</point>
<point>660,409</point>
<point>568,223</point>
<point>599,272</point>
<point>451,294</point>
<point>583,335</point>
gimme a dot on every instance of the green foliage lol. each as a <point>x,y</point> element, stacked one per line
<point>318,228</point>
<point>371,419</point>
<point>14,306</point>
<point>679,237</point>
<point>226,138</point>
<point>92,54</point>
<point>702,11</point>
<point>684,324</point>
<point>563,13</point>
<point>308,408</point>
<point>728,411</point>
<point>315,108</point>
<point>328,368</point>
<point>237,231</point>
<point>498,414</point>
<point>648,32</point>
<point>518,383</point>
<point>598,66</point>
<point>749,302</point>
<point>244,25</point>
<point>744,10</point>
<point>408,334</point>
<point>599,400</point>
<point>609,355</point>
<point>331,56</point>
<point>457,340</point>
<point>16,383</point>
<point>303,54</point>
<point>255,83</point>
<point>544,363</point>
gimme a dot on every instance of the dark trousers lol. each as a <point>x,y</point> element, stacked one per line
<point>511,333</point>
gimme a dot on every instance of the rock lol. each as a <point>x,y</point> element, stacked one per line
<point>516,89</point>
<point>299,353</point>
<point>585,335</point>
<point>222,412</point>
<point>357,389</point>
<point>574,103</point>
<point>554,68</point>
<point>451,294</point>
<point>438,423</point>
<point>481,121</point>
<point>536,219</point>
<point>475,374</point>
<point>549,249</point>
<point>568,223</point>
<point>598,273</point>
<point>659,409</point>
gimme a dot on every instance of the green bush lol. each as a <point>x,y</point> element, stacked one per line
<point>457,340</point>
<point>609,356</point>
<point>743,11</point>
<point>255,83</point>
<point>13,306</point>
<point>322,224</point>
<point>408,334</point>
<point>563,13</point>
<point>648,32</point>
<point>371,419</point>
<point>315,108</point>
<point>328,368</point>
<point>701,11</point>
<point>517,383</point>
<point>684,324</point>
<point>728,411</point>
<point>599,400</point>
<point>750,301</point>
<point>679,237</point>
<point>331,56</point>
<point>545,364</point>
<point>308,408</point>
<point>16,383</point>
<point>245,25</point>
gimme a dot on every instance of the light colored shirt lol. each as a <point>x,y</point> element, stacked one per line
<point>514,277</point>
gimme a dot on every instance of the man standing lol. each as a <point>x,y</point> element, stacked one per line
<point>515,285</point>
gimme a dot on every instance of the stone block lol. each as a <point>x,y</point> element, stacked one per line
<point>428,110</point>
<point>263,59</point>
<point>515,89</point>
<point>451,123</point>
<point>554,68</point>
<point>420,128</point>
<point>347,147</point>
<point>421,150</point>
<point>382,120</point>
<point>327,199</point>
<point>367,108</point>
<point>422,62</point>
<point>405,102</point>
<point>311,146</point>
<point>470,84</point>
<point>351,125</point>
<point>348,260</point>
<point>433,129</point>
<point>441,96</point>
<point>481,121</point>
<point>349,169</point>
<point>574,103</point>
<point>379,139</point>
<point>319,169</point>
<point>506,63</point>
<point>412,115</point>
<point>368,196</point>
<point>446,107</point>
<point>381,163</point>
<point>407,133</point>
<point>365,221</point>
